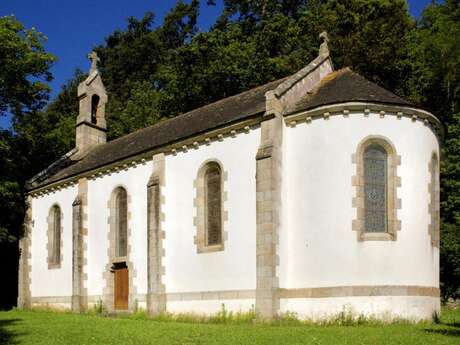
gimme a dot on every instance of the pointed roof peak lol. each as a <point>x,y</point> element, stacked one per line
<point>324,48</point>
<point>94,61</point>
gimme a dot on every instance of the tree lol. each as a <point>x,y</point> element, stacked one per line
<point>45,135</point>
<point>369,36</point>
<point>139,111</point>
<point>25,68</point>
<point>434,58</point>
<point>254,42</point>
<point>450,211</point>
<point>23,92</point>
<point>11,216</point>
<point>433,80</point>
<point>10,189</point>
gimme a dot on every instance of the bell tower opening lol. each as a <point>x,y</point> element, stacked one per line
<point>94,105</point>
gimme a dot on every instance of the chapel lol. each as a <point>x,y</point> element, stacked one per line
<point>314,194</point>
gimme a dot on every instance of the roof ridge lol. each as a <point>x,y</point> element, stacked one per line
<point>205,118</point>
<point>336,87</point>
<point>188,113</point>
<point>294,78</point>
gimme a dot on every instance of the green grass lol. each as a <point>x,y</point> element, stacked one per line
<point>45,327</point>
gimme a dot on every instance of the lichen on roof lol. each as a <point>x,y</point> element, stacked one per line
<point>342,86</point>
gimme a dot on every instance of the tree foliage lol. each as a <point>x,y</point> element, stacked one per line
<point>25,67</point>
<point>450,210</point>
<point>24,74</point>
<point>158,70</point>
<point>434,82</point>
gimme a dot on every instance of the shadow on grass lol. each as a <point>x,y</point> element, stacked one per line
<point>451,329</point>
<point>7,336</point>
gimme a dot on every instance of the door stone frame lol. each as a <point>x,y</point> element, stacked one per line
<point>109,277</point>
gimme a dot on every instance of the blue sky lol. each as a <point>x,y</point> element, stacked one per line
<point>73,28</point>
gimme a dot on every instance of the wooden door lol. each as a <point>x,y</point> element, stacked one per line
<point>121,291</point>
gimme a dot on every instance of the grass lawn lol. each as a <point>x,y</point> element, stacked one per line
<point>41,327</point>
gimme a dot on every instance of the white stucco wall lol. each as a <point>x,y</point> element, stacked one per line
<point>186,270</point>
<point>134,180</point>
<point>57,281</point>
<point>235,267</point>
<point>317,246</point>
<point>321,248</point>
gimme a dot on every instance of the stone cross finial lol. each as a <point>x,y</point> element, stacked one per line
<point>323,48</point>
<point>94,60</point>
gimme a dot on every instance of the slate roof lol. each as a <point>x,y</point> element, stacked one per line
<point>337,87</point>
<point>346,86</point>
<point>212,116</point>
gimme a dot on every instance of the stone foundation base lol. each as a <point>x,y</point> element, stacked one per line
<point>386,303</point>
<point>385,308</point>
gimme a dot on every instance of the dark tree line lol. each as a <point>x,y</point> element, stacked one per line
<point>155,70</point>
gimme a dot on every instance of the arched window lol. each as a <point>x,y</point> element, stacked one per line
<point>376,183</point>
<point>213,204</point>
<point>94,105</point>
<point>375,188</point>
<point>54,237</point>
<point>121,222</point>
<point>209,202</point>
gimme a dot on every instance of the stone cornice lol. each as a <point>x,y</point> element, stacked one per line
<point>365,108</point>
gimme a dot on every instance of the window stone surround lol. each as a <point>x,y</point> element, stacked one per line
<point>199,203</point>
<point>433,206</point>
<point>108,276</point>
<point>394,181</point>
<point>50,238</point>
